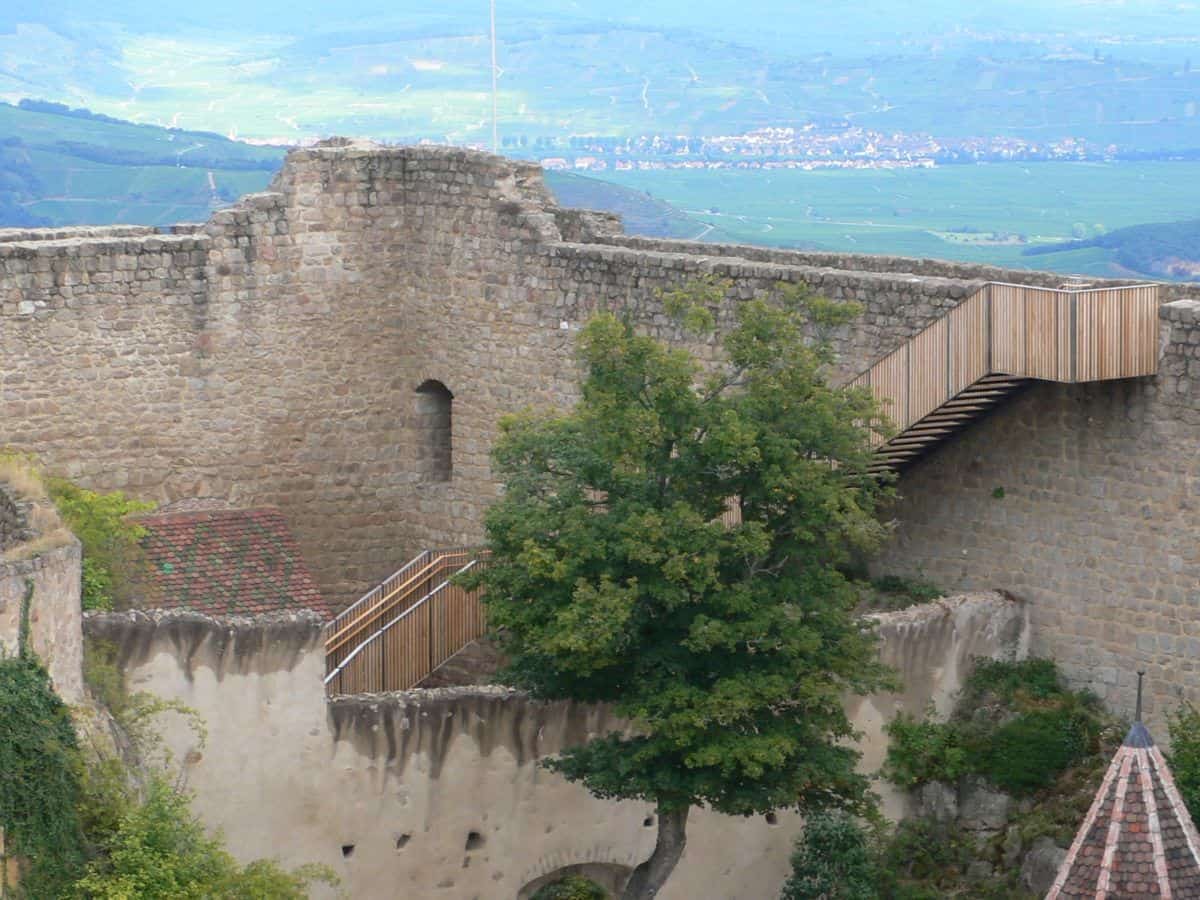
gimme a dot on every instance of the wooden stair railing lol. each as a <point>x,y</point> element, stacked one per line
<point>997,341</point>
<point>387,586</point>
<point>402,630</point>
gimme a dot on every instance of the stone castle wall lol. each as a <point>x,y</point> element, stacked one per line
<point>1084,500</point>
<point>272,356</point>
<point>437,793</point>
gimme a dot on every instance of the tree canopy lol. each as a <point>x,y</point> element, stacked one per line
<point>617,576</point>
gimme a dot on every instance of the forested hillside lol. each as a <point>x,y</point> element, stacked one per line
<point>62,166</point>
<point>1163,249</point>
<point>19,186</point>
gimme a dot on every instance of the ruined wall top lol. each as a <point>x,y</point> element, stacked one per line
<point>516,187</point>
<point>268,357</point>
<point>14,519</point>
<point>29,522</point>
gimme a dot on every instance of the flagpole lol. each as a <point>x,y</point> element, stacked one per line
<point>495,78</point>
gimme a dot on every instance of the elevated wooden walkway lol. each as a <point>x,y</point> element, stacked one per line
<point>995,342</point>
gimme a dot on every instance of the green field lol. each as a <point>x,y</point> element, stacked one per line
<point>77,191</point>
<point>945,213</point>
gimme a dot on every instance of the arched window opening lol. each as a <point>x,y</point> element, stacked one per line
<point>434,448</point>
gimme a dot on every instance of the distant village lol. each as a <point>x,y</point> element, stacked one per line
<point>807,147</point>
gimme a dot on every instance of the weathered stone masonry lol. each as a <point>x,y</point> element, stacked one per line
<point>1085,501</point>
<point>273,355</point>
<point>39,588</point>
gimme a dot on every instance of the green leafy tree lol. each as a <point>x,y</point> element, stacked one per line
<point>613,578</point>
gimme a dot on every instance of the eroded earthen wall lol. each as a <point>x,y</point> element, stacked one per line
<point>437,793</point>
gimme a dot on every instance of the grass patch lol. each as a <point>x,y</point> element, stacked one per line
<point>19,472</point>
<point>889,593</point>
<point>21,479</point>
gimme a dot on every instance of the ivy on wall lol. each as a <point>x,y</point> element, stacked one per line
<point>39,775</point>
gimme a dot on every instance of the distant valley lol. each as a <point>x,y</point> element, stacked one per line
<point>1030,133</point>
<point>61,166</point>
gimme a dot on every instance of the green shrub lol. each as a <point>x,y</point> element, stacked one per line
<point>835,859</point>
<point>573,887</point>
<point>892,592</point>
<point>1009,682</point>
<point>1032,750</point>
<point>1184,728</point>
<point>102,674</point>
<point>112,556</point>
<point>921,750</point>
<point>915,589</point>
<point>160,849</point>
<point>97,586</point>
<point>933,853</point>
<point>1015,724</point>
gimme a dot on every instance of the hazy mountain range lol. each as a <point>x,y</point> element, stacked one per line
<point>1105,71</point>
<point>63,167</point>
<point>871,85</point>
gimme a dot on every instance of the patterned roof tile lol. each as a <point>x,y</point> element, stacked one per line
<point>1138,840</point>
<point>228,562</point>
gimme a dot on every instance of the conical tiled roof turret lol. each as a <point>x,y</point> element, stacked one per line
<point>1138,839</point>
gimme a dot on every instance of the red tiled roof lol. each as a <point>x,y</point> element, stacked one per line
<point>228,562</point>
<point>1138,840</point>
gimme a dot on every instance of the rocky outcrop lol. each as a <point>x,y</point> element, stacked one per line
<point>1041,865</point>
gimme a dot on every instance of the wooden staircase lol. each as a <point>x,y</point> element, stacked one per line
<point>402,630</point>
<point>997,341</point>
<point>1000,339</point>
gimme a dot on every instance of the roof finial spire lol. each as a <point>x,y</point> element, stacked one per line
<point>1137,715</point>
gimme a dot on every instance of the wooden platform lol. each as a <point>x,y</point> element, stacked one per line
<point>998,340</point>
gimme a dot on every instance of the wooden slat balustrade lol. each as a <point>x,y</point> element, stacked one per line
<point>402,630</point>
<point>996,341</point>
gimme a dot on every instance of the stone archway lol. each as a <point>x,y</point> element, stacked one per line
<point>610,876</point>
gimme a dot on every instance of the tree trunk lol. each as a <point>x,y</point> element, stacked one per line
<point>648,878</point>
